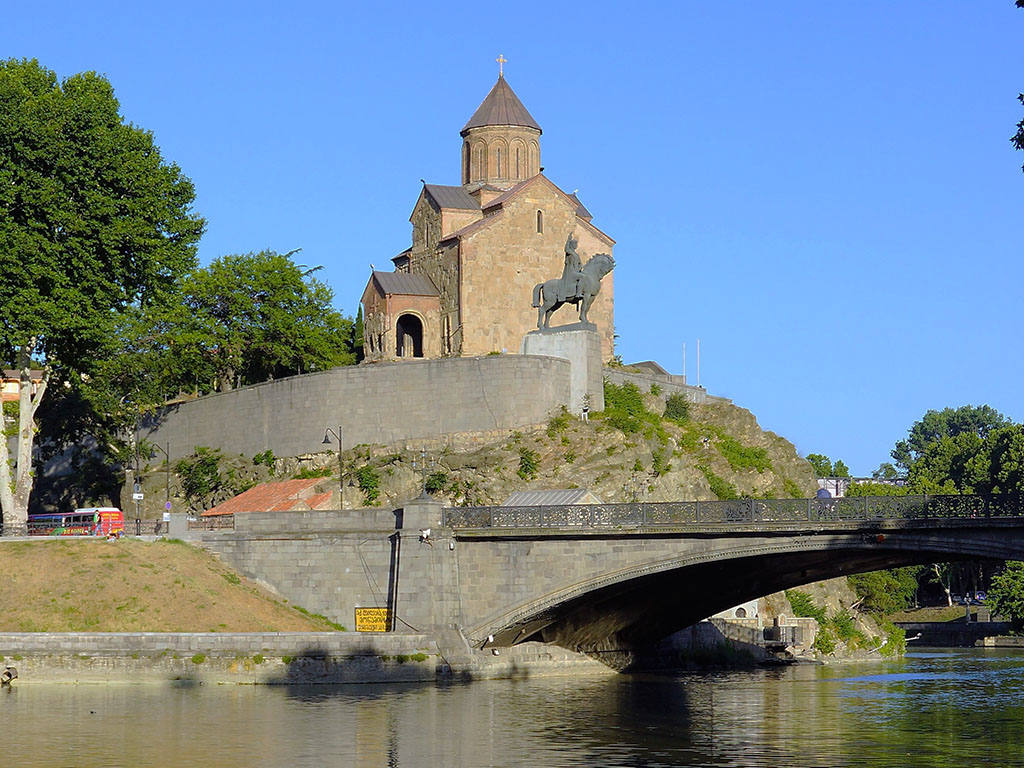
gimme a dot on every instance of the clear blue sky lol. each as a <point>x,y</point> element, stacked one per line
<point>823,193</point>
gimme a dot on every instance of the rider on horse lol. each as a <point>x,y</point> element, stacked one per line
<point>572,272</point>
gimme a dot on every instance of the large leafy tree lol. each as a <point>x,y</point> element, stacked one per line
<point>242,320</point>
<point>93,222</point>
<point>977,420</point>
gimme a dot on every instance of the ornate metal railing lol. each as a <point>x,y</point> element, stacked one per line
<point>739,511</point>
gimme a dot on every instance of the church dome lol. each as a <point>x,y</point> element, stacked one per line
<point>501,141</point>
<point>501,107</point>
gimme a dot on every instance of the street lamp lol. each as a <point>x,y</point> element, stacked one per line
<point>340,437</point>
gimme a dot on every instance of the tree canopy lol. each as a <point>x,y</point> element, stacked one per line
<point>824,467</point>
<point>978,420</point>
<point>1006,593</point>
<point>93,223</point>
<point>242,320</point>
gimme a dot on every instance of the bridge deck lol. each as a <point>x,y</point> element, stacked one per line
<point>741,515</point>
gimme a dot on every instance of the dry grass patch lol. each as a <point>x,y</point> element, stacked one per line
<point>85,585</point>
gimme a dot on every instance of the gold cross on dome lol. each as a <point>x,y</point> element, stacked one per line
<point>502,61</point>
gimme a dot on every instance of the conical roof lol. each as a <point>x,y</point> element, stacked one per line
<point>501,107</point>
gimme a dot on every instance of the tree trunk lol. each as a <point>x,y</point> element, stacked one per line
<point>15,491</point>
<point>943,584</point>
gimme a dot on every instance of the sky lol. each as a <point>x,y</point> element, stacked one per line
<point>822,195</point>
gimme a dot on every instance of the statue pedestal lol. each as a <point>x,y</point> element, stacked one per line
<point>581,346</point>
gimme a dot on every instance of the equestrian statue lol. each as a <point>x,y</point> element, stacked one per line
<point>578,285</point>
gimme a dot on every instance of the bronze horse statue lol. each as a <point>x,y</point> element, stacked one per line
<point>575,286</point>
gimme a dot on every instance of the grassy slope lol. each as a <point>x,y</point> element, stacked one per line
<point>64,585</point>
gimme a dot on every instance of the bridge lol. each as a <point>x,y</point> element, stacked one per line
<point>599,578</point>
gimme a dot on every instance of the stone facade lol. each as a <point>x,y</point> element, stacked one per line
<point>484,245</point>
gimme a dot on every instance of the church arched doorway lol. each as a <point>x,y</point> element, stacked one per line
<point>409,336</point>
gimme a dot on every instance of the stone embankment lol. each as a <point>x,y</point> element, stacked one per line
<point>267,658</point>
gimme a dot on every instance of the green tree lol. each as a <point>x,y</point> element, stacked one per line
<point>886,591</point>
<point>885,471</point>
<point>1006,594</point>
<point>949,422</point>
<point>250,318</point>
<point>821,464</point>
<point>93,221</point>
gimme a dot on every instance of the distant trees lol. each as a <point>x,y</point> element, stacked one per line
<point>970,449</point>
<point>824,467</point>
<point>94,224</point>
<point>931,428</point>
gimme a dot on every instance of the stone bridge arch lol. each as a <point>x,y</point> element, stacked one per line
<point>630,590</point>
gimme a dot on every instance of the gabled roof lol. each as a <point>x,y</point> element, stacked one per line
<point>283,496</point>
<point>404,284</point>
<point>493,209</point>
<point>451,197</point>
<point>581,209</point>
<point>501,107</point>
<point>550,498</point>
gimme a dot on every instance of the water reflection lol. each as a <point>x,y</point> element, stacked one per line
<point>929,709</point>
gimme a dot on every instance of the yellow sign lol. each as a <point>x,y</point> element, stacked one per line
<point>372,619</point>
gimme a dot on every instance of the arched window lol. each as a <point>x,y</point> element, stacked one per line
<point>498,165</point>
<point>519,172</point>
<point>540,222</point>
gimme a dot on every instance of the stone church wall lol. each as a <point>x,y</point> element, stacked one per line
<point>503,263</point>
<point>380,403</point>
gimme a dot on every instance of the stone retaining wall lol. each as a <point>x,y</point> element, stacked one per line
<point>266,658</point>
<point>373,404</point>
<point>669,384</point>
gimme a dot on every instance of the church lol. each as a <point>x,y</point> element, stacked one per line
<point>464,287</point>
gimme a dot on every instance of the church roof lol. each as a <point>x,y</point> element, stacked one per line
<point>501,107</point>
<point>404,284</point>
<point>451,197</point>
<point>493,209</point>
<point>581,209</point>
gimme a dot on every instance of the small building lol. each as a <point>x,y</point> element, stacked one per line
<point>402,314</point>
<point>10,385</point>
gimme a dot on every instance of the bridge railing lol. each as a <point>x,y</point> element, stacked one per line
<point>737,511</point>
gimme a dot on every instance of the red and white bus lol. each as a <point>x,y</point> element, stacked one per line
<point>87,521</point>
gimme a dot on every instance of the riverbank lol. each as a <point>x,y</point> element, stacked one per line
<point>269,658</point>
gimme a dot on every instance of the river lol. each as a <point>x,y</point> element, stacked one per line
<point>932,708</point>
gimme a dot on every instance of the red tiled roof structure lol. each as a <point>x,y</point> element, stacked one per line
<point>283,496</point>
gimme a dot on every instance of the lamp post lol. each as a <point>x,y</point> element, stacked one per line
<point>340,436</point>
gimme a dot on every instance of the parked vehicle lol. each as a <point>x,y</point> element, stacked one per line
<point>87,521</point>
